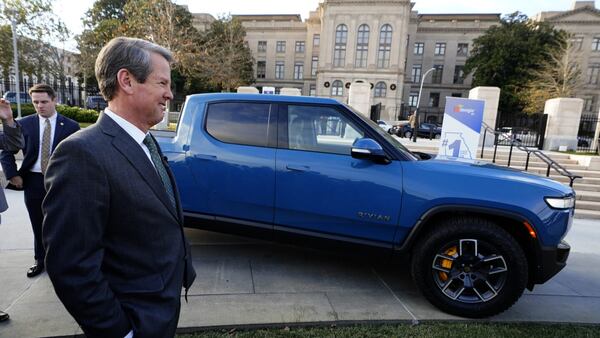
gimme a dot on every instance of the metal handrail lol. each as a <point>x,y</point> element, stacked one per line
<point>514,142</point>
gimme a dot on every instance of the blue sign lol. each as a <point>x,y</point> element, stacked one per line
<point>461,128</point>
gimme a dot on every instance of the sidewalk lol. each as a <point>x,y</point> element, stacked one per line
<point>248,282</point>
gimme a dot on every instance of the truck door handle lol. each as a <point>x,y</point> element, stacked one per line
<point>205,157</point>
<point>300,168</point>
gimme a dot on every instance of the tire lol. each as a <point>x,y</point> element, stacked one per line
<point>437,136</point>
<point>483,244</point>
<point>407,134</point>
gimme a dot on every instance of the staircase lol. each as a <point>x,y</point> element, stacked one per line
<point>586,188</point>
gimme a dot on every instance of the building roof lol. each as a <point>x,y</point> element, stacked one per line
<point>268,17</point>
<point>461,17</point>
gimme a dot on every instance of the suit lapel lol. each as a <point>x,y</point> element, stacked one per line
<point>59,130</point>
<point>133,152</point>
<point>35,137</point>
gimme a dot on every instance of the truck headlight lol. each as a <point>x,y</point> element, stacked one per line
<point>561,202</point>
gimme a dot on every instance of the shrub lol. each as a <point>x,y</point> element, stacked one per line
<point>74,113</point>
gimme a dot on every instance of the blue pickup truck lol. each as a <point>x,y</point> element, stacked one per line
<point>476,235</point>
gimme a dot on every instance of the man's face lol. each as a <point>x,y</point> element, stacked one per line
<point>44,105</point>
<point>151,96</point>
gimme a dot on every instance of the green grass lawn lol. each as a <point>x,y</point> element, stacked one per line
<point>426,329</point>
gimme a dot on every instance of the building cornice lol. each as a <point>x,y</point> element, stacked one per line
<point>566,14</point>
<point>451,30</point>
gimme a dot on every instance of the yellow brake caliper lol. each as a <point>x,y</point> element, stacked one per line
<point>446,263</point>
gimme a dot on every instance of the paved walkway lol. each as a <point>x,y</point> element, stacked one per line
<point>245,282</point>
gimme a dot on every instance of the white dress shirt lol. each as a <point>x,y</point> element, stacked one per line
<point>37,166</point>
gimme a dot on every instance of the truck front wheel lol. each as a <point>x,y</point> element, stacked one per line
<point>469,267</point>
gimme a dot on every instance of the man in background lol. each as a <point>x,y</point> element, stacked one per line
<point>42,132</point>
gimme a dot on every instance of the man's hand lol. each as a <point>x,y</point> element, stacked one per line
<point>6,114</point>
<point>17,181</point>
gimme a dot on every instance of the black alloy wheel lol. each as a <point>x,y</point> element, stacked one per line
<point>469,267</point>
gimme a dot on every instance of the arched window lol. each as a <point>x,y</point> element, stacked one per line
<point>337,88</point>
<point>362,46</point>
<point>339,52</point>
<point>380,89</point>
<point>385,46</point>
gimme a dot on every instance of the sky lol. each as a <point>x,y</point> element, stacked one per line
<point>71,11</point>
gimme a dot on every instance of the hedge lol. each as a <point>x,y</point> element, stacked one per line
<point>75,113</point>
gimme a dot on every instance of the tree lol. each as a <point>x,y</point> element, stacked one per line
<point>559,76</point>
<point>226,59</point>
<point>103,22</point>
<point>37,28</point>
<point>506,55</point>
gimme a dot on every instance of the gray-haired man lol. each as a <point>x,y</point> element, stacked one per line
<point>117,256</point>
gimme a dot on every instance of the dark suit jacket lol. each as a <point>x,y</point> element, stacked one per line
<point>31,132</point>
<point>11,139</point>
<point>115,248</point>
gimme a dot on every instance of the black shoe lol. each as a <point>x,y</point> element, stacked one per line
<point>35,270</point>
<point>3,316</point>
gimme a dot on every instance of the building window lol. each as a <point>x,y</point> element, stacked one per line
<point>312,91</point>
<point>593,73</point>
<point>314,66</point>
<point>337,88</point>
<point>434,99</point>
<point>462,49</point>
<point>419,47</point>
<point>385,46</point>
<point>380,89</point>
<point>577,43</point>
<point>316,40</point>
<point>261,69</point>
<point>279,69</point>
<point>262,46</point>
<point>459,74</point>
<point>362,46</point>
<point>298,70</point>
<point>280,48</point>
<point>440,48</point>
<point>415,75</point>
<point>437,74</point>
<point>456,95</point>
<point>339,53</point>
<point>299,46</point>
<point>412,99</point>
<point>596,44</point>
<point>588,105</point>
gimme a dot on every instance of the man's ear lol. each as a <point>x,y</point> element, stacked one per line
<point>125,81</point>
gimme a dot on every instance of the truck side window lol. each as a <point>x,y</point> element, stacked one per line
<point>239,122</point>
<point>320,129</point>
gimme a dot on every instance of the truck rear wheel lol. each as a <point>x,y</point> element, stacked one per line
<point>470,267</point>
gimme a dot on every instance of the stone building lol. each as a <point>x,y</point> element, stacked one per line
<point>583,22</point>
<point>387,44</point>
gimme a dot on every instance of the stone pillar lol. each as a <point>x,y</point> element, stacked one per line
<point>491,96</point>
<point>290,91</point>
<point>359,97</point>
<point>247,90</point>
<point>564,115</point>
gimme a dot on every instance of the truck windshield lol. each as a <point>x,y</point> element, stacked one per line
<point>385,135</point>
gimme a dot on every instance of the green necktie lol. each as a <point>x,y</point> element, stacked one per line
<point>160,168</point>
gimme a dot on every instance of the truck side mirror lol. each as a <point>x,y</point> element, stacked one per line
<point>369,149</point>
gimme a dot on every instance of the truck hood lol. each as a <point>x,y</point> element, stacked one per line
<point>492,171</point>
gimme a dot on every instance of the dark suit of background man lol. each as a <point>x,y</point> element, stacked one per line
<point>42,132</point>
<point>11,139</point>
<point>117,255</point>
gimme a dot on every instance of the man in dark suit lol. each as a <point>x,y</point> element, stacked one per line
<point>116,252</point>
<point>11,139</point>
<point>42,132</point>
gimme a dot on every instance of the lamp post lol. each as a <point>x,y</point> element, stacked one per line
<point>16,60</point>
<point>414,134</point>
